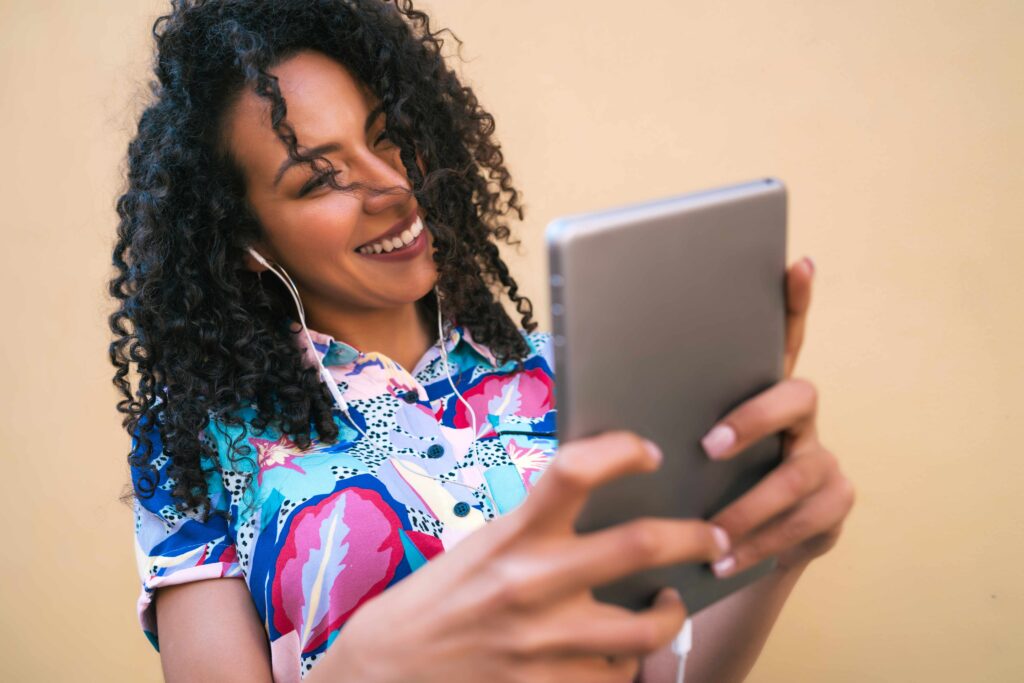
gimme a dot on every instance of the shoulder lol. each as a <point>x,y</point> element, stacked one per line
<point>539,340</point>
<point>151,465</point>
<point>226,425</point>
<point>542,350</point>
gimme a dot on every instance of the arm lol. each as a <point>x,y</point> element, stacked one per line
<point>729,635</point>
<point>230,647</point>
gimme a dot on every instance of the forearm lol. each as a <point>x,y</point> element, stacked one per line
<point>729,635</point>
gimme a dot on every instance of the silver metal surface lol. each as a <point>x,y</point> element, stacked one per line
<point>666,315</point>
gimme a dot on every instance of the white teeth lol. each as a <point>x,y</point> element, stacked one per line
<point>407,237</point>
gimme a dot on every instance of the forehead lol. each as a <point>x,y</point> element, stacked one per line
<point>325,102</point>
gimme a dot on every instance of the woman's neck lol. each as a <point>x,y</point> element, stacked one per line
<point>402,334</point>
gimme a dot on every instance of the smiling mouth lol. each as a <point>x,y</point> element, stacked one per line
<point>396,239</point>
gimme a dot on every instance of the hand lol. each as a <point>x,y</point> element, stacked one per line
<point>512,602</point>
<point>796,512</point>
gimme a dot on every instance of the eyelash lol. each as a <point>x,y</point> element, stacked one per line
<point>318,180</point>
<point>313,184</point>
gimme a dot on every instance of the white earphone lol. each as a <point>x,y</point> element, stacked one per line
<point>332,385</point>
<point>290,286</point>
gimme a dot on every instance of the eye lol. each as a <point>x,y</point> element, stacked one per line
<point>383,136</point>
<point>313,183</point>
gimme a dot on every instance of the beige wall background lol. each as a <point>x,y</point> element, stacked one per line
<point>897,127</point>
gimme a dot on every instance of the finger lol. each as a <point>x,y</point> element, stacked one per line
<point>581,466</point>
<point>798,300</point>
<point>785,487</point>
<point>819,515</point>
<point>599,557</point>
<point>788,405</point>
<point>598,628</point>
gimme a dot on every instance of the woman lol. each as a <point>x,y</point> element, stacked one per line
<point>334,406</point>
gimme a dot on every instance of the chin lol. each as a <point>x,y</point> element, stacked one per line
<point>416,289</point>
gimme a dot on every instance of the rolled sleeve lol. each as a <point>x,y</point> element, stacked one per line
<point>173,547</point>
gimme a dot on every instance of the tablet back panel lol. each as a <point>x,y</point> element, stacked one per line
<point>665,316</point>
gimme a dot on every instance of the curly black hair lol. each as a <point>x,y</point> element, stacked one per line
<point>206,339</point>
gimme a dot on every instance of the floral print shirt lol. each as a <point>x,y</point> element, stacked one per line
<point>317,532</point>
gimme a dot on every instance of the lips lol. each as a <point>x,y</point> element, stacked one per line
<point>395,230</point>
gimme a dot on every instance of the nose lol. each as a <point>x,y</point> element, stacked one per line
<point>387,187</point>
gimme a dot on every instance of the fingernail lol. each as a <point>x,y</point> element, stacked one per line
<point>724,566</point>
<point>810,263</point>
<point>654,450</point>
<point>721,538</point>
<point>669,595</point>
<point>718,441</point>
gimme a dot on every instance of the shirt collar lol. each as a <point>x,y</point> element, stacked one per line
<point>338,353</point>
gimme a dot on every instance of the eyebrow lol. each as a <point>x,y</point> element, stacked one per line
<point>327,147</point>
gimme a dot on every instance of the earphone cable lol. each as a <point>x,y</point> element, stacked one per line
<point>339,400</point>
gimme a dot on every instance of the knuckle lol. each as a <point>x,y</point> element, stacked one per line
<point>646,637</point>
<point>521,591</point>
<point>800,528</point>
<point>848,492</point>
<point>753,548</point>
<point>636,444</point>
<point>642,538</point>
<point>525,640</point>
<point>809,392</point>
<point>506,529</point>
<point>734,519</point>
<point>623,435</point>
<point>795,481</point>
<point>494,598</point>
<point>511,527</point>
<point>831,462</point>
<point>628,443</point>
<point>567,471</point>
<point>511,587</point>
<point>748,418</point>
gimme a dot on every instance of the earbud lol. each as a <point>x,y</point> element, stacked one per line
<point>256,255</point>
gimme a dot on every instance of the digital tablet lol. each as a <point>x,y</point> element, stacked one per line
<point>665,316</point>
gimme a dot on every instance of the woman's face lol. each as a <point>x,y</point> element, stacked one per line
<point>314,231</point>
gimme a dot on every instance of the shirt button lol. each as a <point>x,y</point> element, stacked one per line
<point>411,396</point>
<point>461,509</point>
<point>435,451</point>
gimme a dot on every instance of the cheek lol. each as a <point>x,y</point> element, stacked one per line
<point>324,225</point>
